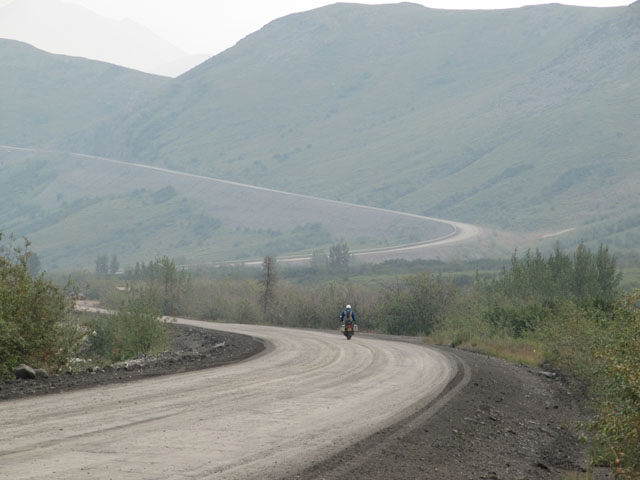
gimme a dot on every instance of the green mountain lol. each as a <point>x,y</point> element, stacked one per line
<point>524,120</point>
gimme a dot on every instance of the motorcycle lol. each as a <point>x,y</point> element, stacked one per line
<point>348,328</point>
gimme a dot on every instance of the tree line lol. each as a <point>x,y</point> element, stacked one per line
<point>106,267</point>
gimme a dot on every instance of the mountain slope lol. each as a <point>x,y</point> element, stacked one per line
<point>47,97</point>
<point>518,118</point>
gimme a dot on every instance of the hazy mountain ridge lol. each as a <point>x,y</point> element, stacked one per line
<point>50,97</point>
<point>70,29</point>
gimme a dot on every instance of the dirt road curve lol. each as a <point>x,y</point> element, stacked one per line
<point>269,416</point>
<point>460,233</point>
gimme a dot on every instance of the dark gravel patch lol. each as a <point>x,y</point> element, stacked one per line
<point>192,349</point>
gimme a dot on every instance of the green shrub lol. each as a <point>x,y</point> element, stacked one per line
<point>136,329</point>
<point>416,305</point>
<point>168,285</point>
<point>618,422</point>
<point>33,314</point>
<point>515,318</point>
<point>602,348</point>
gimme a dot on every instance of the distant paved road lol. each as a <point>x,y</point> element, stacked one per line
<point>311,394</point>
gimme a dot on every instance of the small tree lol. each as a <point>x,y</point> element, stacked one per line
<point>339,257</point>
<point>585,274</point>
<point>269,280</point>
<point>114,266</point>
<point>608,276</point>
<point>165,282</point>
<point>102,265</point>
<point>32,315</point>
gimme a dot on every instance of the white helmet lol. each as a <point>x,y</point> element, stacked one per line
<point>348,307</point>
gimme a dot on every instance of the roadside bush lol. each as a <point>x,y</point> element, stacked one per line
<point>169,285</point>
<point>33,314</point>
<point>416,305</point>
<point>602,348</point>
<point>320,306</point>
<point>134,330</point>
<point>464,323</point>
<point>515,318</point>
<point>570,337</point>
<point>618,422</point>
<point>224,300</point>
<point>293,305</point>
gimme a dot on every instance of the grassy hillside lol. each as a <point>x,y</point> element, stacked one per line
<point>46,97</point>
<point>74,209</point>
<point>525,119</point>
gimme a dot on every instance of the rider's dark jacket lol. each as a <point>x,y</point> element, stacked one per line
<point>344,314</point>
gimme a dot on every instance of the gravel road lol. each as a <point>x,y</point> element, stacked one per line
<point>306,397</point>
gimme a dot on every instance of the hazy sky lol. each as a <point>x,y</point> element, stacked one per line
<point>210,26</point>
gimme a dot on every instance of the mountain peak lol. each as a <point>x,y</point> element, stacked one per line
<point>65,28</point>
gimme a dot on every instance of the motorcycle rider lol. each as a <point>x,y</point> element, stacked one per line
<point>348,314</point>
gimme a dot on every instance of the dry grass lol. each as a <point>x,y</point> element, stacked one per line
<point>513,350</point>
